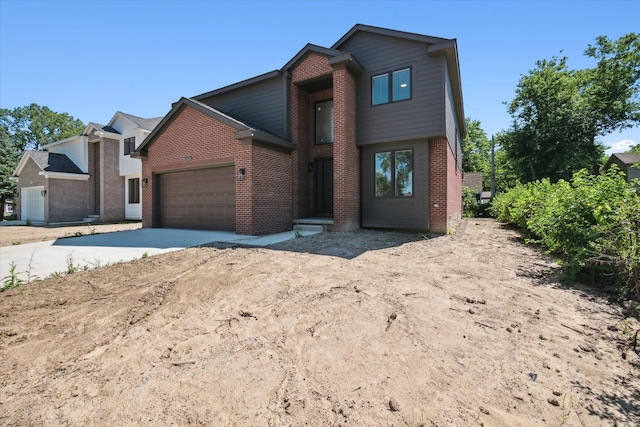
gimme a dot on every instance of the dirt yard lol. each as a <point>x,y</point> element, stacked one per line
<point>337,329</point>
<point>17,235</point>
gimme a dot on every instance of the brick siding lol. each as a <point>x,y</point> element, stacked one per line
<point>445,187</point>
<point>66,200</point>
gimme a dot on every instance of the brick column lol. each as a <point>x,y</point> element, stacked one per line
<point>445,187</point>
<point>346,155</point>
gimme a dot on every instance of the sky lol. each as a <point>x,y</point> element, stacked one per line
<point>93,58</point>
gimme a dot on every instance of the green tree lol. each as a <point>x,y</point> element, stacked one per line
<point>9,156</point>
<point>559,113</point>
<point>476,151</point>
<point>31,127</point>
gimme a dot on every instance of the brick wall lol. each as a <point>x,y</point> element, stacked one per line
<point>346,155</point>
<point>270,203</point>
<point>445,187</point>
<point>263,200</point>
<point>312,66</point>
<point>67,200</point>
<point>111,183</point>
<point>192,139</point>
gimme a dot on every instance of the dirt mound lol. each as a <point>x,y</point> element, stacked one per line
<point>353,329</point>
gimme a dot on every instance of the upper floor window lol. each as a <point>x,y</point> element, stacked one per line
<point>394,173</point>
<point>129,145</point>
<point>324,122</point>
<point>391,87</point>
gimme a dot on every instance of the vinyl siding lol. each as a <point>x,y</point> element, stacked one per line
<point>262,104</point>
<point>76,150</point>
<point>422,115</point>
<point>451,121</point>
<point>394,212</point>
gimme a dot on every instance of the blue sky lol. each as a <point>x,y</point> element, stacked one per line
<point>93,58</point>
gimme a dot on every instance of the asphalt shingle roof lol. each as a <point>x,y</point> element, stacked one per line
<point>54,162</point>
<point>147,124</point>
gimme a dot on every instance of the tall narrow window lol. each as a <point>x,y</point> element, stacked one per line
<point>134,190</point>
<point>129,145</point>
<point>324,122</point>
<point>380,90</point>
<point>401,84</point>
<point>394,173</point>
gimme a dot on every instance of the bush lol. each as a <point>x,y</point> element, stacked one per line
<point>592,221</point>
<point>470,206</point>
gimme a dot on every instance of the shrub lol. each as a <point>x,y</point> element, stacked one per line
<point>592,221</point>
<point>470,206</point>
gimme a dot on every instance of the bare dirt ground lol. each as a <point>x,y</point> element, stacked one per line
<point>15,235</point>
<point>337,329</point>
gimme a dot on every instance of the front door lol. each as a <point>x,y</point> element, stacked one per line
<point>324,187</point>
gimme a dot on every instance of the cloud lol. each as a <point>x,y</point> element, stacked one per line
<point>619,146</point>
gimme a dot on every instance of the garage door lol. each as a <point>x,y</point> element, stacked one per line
<point>32,204</point>
<point>202,199</point>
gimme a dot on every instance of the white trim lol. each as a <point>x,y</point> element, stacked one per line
<point>21,164</point>
<point>53,144</point>
<point>65,175</point>
<point>106,134</point>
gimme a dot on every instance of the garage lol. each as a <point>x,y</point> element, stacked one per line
<point>201,199</point>
<point>32,204</point>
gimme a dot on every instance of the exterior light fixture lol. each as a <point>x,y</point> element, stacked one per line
<point>310,167</point>
<point>43,193</point>
<point>241,173</point>
<point>144,182</point>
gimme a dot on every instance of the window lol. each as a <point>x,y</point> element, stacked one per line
<point>134,190</point>
<point>129,145</point>
<point>394,86</point>
<point>324,122</point>
<point>394,173</point>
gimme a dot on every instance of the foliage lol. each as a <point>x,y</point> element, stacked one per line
<point>558,112</point>
<point>11,281</point>
<point>33,126</point>
<point>592,221</point>
<point>476,151</point>
<point>10,156</point>
<point>470,206</point>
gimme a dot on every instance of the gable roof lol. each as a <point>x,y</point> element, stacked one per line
<point>144,124</point>
<point>387,32</point>
<point>473,180</point>
<point>243,128</point>
<point>626,158</point>
<point>48,162</point>
<point>99,127</point>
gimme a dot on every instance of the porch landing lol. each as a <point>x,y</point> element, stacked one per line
<point>312,224</point>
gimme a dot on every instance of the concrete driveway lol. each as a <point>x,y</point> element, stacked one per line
<point>41,259</point>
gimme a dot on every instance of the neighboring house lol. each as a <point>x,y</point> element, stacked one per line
<point>365,133</point>
<point>473,181</point>
<point>86,177</point>
<point>625,161</point>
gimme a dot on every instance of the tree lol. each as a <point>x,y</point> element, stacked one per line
<point>476,151</point>
<point>31,127</point>
<point>559,113</point>
<point>9,156</point>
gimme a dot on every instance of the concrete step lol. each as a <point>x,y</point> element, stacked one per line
<point>91,218</point>
<point>309,227</point>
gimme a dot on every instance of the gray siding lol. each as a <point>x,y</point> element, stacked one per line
<point>451,121</point>
<point>263,104</point>
<point>422,115</point>
<point>401,213</point>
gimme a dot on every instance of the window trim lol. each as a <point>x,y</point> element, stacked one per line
<point>389,75</point>
<point>315,122</point>
<point>136,200</point>
<point>129,145</point>
<point>393,174</point>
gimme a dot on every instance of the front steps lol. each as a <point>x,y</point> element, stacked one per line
<point>312,224</point>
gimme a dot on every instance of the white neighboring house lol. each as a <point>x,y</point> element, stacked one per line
<point>85,177</point>
<point>133,131</point>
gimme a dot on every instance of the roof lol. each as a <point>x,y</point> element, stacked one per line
<point>146,124</point>
<point>627,158</point>
<point>48,162</point>
<point>387,32</point>
<point>473,180</point>
<point>99,126</point>
<point>245,129</point>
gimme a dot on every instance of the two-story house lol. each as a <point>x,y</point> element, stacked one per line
<point>365,133</point>
<point>86,177</point>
